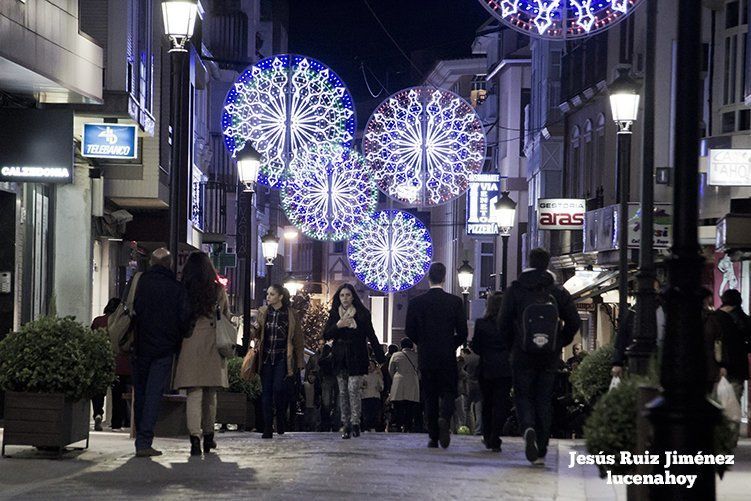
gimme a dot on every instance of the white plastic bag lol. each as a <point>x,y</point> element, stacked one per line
<point>614,382</point>
<point>726,397</point>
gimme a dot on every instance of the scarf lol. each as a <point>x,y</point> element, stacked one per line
<point>348,314</point>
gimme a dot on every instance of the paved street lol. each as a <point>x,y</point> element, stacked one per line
<point>315,466</point>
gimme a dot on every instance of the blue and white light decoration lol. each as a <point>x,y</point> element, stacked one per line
<point>422,144</point>
<point>328,192</point>
<point>391,251</point>
<point>282,104</point>
<point>560,19</point>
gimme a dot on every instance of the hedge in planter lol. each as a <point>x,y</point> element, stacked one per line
<point>50,369</point>
<point>591,378</point>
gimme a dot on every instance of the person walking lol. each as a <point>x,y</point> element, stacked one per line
<point>436,322</point>
<point>201,370</point>
<point>532,312</point>
<point>474,396</point>
<point>119,408</point>
<point>405,387</point>
<point>494,373</point>
<point>280,344</point>
<point>329,390</point>
<point>351,328</point>
<point>372,385</point>
<point>162,320</point>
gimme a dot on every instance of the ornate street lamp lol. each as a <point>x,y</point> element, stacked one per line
<point>624,104</point>
<point>293,285</point>
<point>248,165</point>
<point>505,217</point>
<point>270,246</point>
<point>465,274</point>
<point>179,23</point>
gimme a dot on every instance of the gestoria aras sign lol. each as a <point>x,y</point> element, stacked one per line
<point>561,213</point>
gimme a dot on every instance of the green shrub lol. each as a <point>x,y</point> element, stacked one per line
<point>57,355</point>
<point>252,388</point>
<point>591,378</point>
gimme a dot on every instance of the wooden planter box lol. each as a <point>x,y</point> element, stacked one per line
<point>231,408</point>
<point>45,420</point>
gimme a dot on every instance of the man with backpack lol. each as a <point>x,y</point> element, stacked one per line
<point>537,319</point>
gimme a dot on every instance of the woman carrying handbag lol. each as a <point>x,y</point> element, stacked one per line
<point>201,369</point>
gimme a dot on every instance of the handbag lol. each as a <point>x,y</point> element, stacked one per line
<point>249,367</point>
<point>226,335</point>
<point>120,323</point>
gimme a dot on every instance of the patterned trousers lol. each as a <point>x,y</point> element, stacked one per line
<point>350,398</point>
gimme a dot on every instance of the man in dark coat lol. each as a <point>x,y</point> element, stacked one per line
<point>162,319</point>
<point>534,373</point>
<point>436,322</point>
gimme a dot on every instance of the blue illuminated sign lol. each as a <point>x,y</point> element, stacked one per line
<point>101,140</point>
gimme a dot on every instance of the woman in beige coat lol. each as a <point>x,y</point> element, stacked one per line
<point>200,367</point>
<point>405,387</point>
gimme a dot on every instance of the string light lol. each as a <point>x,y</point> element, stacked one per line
<point>283,104</point>
<point>560,19</point>
<point>328,192</point>
<point>391,251</point>
<point>422,144</point>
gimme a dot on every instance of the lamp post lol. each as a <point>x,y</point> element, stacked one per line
<point>248,164</point>
<point>505,216</point>
<point>179,22</point>
<point>624,103</point>
<point>465,274</point>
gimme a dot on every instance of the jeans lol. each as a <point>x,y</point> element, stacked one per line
<point>496,406</point>
<point>350,398</point>
<point>440,392</point>
<point>274,394</point>
<point>533,396</point>
<point>201,411</point>
<point>149,380</point>
<point>329,404</point>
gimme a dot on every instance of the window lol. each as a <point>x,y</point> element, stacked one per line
<point>573,170</point>
<point>732,14</point>
<point>744,120</point>
<point>728,122</point>
<point>487,265</point>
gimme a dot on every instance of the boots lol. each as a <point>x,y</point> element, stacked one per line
<point>346,432</point>
<point>355,430</point>
<point>195,446</point>
<point>267,432</point>
<point>208,442</point>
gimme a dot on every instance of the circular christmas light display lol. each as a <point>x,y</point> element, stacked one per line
<point>422,144</point>
<point>560,19</point>
<point>282,104</point>
<point>328,192</point>
<point>391,251</point>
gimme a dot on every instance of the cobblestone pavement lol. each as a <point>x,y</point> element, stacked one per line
<point>315,466</point>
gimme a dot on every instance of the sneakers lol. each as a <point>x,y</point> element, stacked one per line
<point>539,461</point>
<point>444,434</point>
<point>346,432</point>
<point>530,445</point>
<point>97,423</point>
<point>147,453</point>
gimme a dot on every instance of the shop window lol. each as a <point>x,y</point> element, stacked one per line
<point>728,122</point>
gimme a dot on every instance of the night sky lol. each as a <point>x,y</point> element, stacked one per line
<point>343,34</point>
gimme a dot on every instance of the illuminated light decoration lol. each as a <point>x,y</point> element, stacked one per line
<point>391,251</point>
<point>328,192</point>
<point>422,145</point>
<point>561,19</point>
<point>283,104</point>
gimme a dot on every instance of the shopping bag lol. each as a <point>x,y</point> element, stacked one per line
<point>249,367</point>
<point>731,407</point>
<point>614,382</point>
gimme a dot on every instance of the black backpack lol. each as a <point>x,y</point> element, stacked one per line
<point>539,322</point>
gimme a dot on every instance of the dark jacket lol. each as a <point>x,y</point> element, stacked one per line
<point>350,348</point>
<point>437,324</point>
<point>732,330</point>
<point>623,338</point>
<point>162,313</point>
<point>489,344</point>
<point>516,297</point>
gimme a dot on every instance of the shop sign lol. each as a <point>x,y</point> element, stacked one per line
<point>561,213</point>
<point>481,198</point>
<point>729,168</point>
<point>601,228</point>
<point>36,146</point>
<point>115,141</point>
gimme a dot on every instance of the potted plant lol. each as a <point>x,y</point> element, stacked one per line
<point>50,369</point>
<point>591,378</point>
<point>235,406</point>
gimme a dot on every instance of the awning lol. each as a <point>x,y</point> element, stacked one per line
<point>586,284</point>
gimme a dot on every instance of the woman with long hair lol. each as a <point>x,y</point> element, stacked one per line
<point>495,373</point>
<point>280,345</point>
<point>351,328</point>
<point>200,367</point>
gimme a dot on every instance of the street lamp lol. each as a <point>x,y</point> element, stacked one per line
<point>179,23</point>
<point>293,285</point>
<point>624,104</point>
<point>465,274</point>
<point>248,163</point>
<point>269,246</point>
<point>505,216</point>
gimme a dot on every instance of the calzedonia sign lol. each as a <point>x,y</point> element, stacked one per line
<point>561,213</point>
<point>115,141</point>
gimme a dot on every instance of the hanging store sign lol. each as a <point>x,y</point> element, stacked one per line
<point>729,168</point>
<point>561,213</point>
<point>601,228</point>
<point>481,198</point>
<point>36,146</point>
<point>101,140</point>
